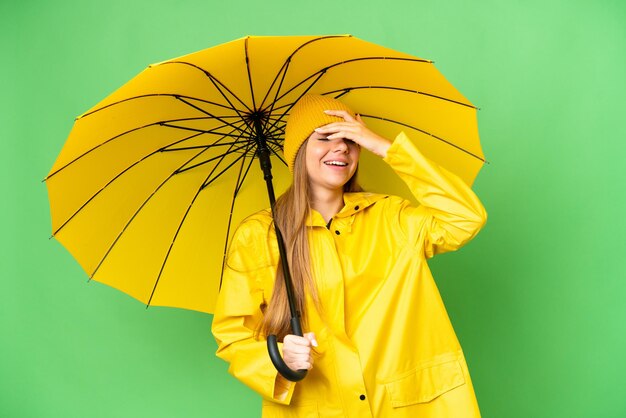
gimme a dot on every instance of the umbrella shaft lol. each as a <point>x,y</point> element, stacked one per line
<point>263,154</point>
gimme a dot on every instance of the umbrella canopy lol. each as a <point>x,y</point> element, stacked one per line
<point>151,180</point>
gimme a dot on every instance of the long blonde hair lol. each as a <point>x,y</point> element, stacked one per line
<point>291,212</point>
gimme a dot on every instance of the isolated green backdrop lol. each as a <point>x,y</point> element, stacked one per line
<point>537,299</point>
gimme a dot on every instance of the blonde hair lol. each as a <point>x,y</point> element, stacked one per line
<point>291,211</point>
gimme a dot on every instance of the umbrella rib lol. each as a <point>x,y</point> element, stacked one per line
<point>245,174</point>
<point>274,118</point>
<point>213,159</point>
<point>283,71</point>
<point>426,133</point>
<point>152,95</point>
<point>198,146</point>
<point>321,38</point>
<point>223,171</point>
<point>208,113</point>
<point>276,131</point>
<point>274,137</point>
<point>212,131</point>
<point>249,74</point>
<point>161,123</point>
<point>283,106</point>
<point>234,133</point>
<point>221,158</point>
<point>230,216</point>
<point>278,156</point>
<point>349,89</point>
<point>145,202</point>
<point>273,141</point>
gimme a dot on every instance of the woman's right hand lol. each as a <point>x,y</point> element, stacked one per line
<point>297,351</point>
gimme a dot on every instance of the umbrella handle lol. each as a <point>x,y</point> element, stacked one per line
<point>277,360</point>
<point>279,363</point>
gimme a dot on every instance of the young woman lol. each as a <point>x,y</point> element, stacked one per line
<point>380,343</point>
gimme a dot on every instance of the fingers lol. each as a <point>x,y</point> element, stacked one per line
<point>311,337</point>
<point>297,351</point>
<point>350,126</point>
<point>348,130</point>
<point>334,133</point>
<point>307,340</point>
<point>356,131</point>
<point>336,126</point>
<point>340,113</point>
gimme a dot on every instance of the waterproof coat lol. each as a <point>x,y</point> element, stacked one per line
<point>386,345</point>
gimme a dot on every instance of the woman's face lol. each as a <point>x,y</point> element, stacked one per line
<point>330,163</point>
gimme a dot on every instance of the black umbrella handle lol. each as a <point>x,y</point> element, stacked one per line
<point>296,328</point>
<point>277,360</point>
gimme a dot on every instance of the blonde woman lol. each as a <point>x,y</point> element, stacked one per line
<point>380,343</point>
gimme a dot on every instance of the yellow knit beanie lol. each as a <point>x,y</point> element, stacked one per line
<point>306,115</point>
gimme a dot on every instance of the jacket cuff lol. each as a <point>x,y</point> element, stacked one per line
<point>394,150</point>
<point>283,388</point>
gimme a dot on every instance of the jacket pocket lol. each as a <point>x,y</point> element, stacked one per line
<point>425,384</point>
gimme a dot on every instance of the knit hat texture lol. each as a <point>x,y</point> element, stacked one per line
<point>306,115</point>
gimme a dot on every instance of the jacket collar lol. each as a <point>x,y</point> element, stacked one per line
<point>353,203</point>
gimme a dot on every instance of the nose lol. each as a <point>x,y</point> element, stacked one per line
<point>341,145</point>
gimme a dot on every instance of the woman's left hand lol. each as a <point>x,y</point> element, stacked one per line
<point>355,130</point>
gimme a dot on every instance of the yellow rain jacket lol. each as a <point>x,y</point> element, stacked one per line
<point>386,345</point>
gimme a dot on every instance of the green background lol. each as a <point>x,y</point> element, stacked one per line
<point>537,299</point>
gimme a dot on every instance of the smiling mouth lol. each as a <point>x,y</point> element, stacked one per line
<point>336,163</point>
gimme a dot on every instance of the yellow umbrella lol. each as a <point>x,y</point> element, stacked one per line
<point>151,180</point>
